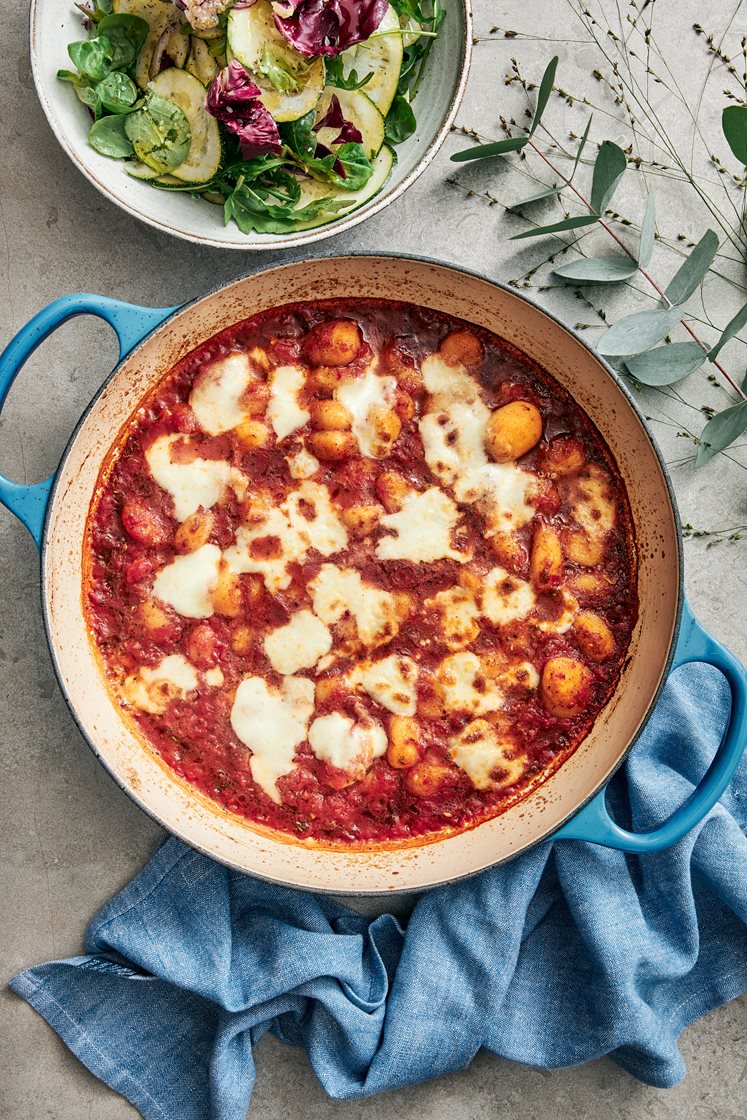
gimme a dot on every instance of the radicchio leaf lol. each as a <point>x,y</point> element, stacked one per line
<point>232,98</point>
<point>322,151</point>
<point>334,118</point>
<point>327,27</point>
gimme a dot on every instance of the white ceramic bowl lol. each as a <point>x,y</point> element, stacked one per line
<point>55,24</point>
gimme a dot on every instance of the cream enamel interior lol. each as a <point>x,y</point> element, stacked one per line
<point>205,825</point>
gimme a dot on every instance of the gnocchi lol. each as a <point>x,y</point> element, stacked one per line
<point>369,582</point>
<point>566,686</point>
<point>513,430</point>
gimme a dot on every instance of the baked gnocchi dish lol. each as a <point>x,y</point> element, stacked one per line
<point>361,573</point>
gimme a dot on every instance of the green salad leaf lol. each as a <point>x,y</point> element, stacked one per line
<point>93,57</point>
<point>400,120</point>
<point>126,35</point>
<point>268,205</point>
<point>117,92</point>
<point>275,65</point>
<point>108,136</point>
<point>357,165</point>
<point>299,136</point>
<point>159,133</point>
<point>334,76</point>
<point>429,17</point>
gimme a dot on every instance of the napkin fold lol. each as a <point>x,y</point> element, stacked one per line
<point>567,953</point>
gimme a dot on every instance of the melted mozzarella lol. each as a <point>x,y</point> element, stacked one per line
<point>482,754</point>
<point>284,535</point>
<point>266,546</point>
<point>349,745</point>
<point>299,644</point>
<point>464,687</point>
<point>191,485</point>
<point>271,722</point>
<point>453,435</point>
<point>520,675</point>
<point>187,583</point>
<point>218,391</point>
<point>594,506</point>
<point>151,689</point>
<point>451,381</point>
<point>391,682</point>
<point>506,598</point>
<point>284,412</point>
<point>459,616</point>
<point>303,464</point>
<point>337,591</point>
<point>365,398</point>
<point>214,677</point>
<point>422,529</point>
<point>312,515</point>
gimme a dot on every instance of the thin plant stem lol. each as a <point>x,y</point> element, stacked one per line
<point>644,272</point>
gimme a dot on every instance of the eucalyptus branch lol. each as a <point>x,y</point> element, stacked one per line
<point>643,271</point>
<point>632,339</point>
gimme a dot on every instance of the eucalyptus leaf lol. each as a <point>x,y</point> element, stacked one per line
<point>544,92</point>
<point>558,227</point>
<point>721,430</point>
<point>609,169</point>
<point>637,332</point>
<point>108,137</point>
<point>581,146</point>
<point>516,207</point>
<point>484,151</point>
<point>689,276</point>
<point>734,124</point>
<point>731,329</point>
<point>648,233</point>
<point>598,269</point>
<point>664,365</point>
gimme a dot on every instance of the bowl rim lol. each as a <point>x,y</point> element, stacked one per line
<point>419,259</point>
<point>275,241</point>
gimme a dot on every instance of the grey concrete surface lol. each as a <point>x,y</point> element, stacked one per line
<point>69,837</point>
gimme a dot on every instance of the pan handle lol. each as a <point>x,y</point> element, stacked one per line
<point>594,823</point>
<point>130,323</point>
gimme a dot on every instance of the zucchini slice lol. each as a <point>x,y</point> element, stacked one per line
<point>381,56</point>
<point>360,111</point>
<point>200,61</point>
<point>159,17</point>
<point>140,170</point>
<point>251,35</point>
<point>203,161</point>
<point>312,190</point>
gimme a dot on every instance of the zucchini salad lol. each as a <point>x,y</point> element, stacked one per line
<point>285,113</point>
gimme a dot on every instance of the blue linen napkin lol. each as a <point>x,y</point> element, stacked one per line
<point>567,953</point>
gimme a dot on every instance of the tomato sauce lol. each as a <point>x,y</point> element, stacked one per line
<point>133,533</point>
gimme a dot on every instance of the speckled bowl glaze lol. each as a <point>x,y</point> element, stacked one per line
<point>55,24</point>
<point>56,511</point>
